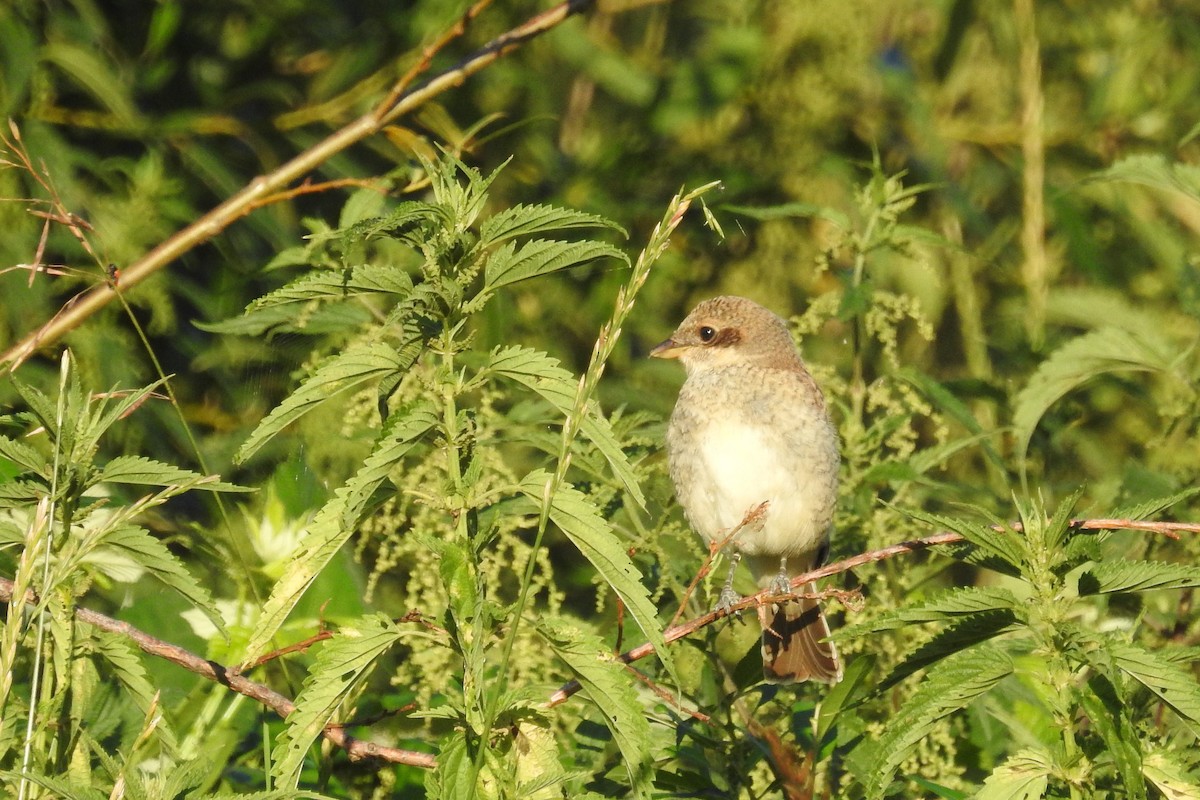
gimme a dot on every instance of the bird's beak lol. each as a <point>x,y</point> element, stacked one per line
<point>667,349</point>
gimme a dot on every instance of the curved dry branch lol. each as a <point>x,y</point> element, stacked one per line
<point>399,101</point>
<point>281,705</point>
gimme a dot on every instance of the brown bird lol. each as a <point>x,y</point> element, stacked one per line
<point>750,426</point>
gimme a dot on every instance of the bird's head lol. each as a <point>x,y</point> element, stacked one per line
<point>726,331</point>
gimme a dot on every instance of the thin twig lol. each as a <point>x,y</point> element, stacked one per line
<point>281,705</point>
<point>221,217</point>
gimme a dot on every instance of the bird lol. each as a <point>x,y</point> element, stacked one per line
<point>751,426</point>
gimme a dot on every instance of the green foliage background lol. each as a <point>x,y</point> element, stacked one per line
<point>981,218</point>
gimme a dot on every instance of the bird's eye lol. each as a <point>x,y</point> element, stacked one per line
<point>707,333</point>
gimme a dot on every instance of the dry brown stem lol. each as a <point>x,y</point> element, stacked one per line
<point>401,100</point>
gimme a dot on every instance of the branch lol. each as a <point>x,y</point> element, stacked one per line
<point>765,597</point>
<point>281,705</point>
<point>251,196</point>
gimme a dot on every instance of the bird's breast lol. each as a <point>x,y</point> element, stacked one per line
<point>734,444</point>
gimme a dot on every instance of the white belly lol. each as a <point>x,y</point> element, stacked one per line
<point>740,467</point>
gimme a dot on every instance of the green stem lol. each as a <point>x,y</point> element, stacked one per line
<point>605,343</point>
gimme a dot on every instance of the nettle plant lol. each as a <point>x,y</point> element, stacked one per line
<point>1064,696</point>
<point>422,273</point>
<point>78,708</point>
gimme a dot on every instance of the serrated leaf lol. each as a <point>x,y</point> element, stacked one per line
<point>1106,711</point>
<point>606,682</point>
<point>1107,577</point>
<point>539,770</point>
<point>1154,506</point>
<point>1173,779</point>
<point>1023,776</point>
<point>1174,685</point>
<point>1003,545</point>
<point>1095,353</point>
<point>451,779</point>
<point>19,493</point>
<point>327,285</point>
<point>1154,171</point>
<point>542,374</point>
<point>949,687</point>
<point>125,664</point>
<point>326,318</point>
<point>580,520</point>
<point>104,412</point>
<point>523,220</point>
<point>148,472</point>
<point>355,365</point>
<point>340,664</point>
<point>152,555</point>
<point>406,215</point>
<point>23,456</point>
<point>335,522</point>
<point>965,633</point>
<point>510,264</point>
<point>59,788</point>
<point>948,605</point>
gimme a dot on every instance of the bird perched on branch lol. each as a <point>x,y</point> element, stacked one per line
<point>751,427</point>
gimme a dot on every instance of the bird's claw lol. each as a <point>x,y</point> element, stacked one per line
<point>781,585</point>
<point>727,599</point>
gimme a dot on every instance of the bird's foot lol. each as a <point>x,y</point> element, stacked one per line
<point>781,583</point>
<point>728,596</point>
<point>727,599</point>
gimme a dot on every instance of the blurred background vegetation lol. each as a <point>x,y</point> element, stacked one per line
<point>949,325</point>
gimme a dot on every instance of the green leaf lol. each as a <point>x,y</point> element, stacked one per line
<point>1136,576</point>
<point>24,456</point>
<point>523,220</point>
<point>1155,506</point>
<point>844,694</point>
<point>1154,171</point>
<point>59,788</point>
<point>1172,778</point>
<point>341,663</point>
<point>1098,352</point>
<point>542,374</point>
<point>104,413</point>
<point>791,211</point>
<point>284,319</point>
<point>335,522</point>
<point>606,682</point>
<point>126,665</point>
<point>355,365</point>
<point>1174,685</point>
<point>152,555</point>
<point>1004,545</point>
<point>406,215</point>
<point>338,285</point>
<point>147,472</point>
<point>967,632</point>
<point>511,264</point>
<point>950,686</point>
<point>1106,711</point>
<point>1023,776</point>
<point>951,604</point>
<point>452,778</point>
<point>580,520</point>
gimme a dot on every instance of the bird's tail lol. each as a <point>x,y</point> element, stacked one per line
<point>792,646</point>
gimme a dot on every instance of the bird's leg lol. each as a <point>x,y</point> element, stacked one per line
<point>782,583</point>
<point>728,596</point>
